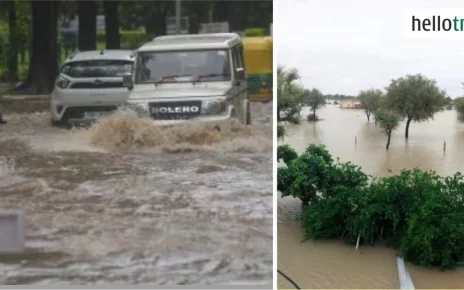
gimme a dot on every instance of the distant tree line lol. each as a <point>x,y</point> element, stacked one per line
<point>338,97</point>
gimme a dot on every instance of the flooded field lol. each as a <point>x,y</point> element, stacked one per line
<point>126,203</point>
<point>333,264</point>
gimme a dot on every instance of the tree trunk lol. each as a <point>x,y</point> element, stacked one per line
<point>314,114</point>
<point>43,65</point>
<point>87,11</point>
<point>12,75</point>
<point>388,141</point>
<point>155,24</point>
<point>222,11</point>
<point>368,114</point>
<point>408,122</point>
<point>113,39</point>
<point>211,8</point>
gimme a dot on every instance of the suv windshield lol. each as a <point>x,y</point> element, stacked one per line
<point>97,68</point>
<point>181,66</point>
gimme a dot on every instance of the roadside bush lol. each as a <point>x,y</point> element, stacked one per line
<point>417,212</point>
<point>255,32</point>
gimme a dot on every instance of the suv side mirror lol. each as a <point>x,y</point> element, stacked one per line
<point>127,81</point>
<point>240,73</point>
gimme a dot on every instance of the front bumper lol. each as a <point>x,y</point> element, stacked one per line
<point>225,116</point>
<point>210,120</point>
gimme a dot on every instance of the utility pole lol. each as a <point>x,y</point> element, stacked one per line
<point>178,14</point>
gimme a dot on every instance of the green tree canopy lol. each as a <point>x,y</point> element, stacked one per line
<point>315,100</point>
<point>415,98</point>
<point>370,100</point>
<point>289,95</point>
<point>417,212</point>
<point>459,107</point>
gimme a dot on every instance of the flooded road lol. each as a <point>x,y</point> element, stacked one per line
<point>333,264</point>
<point>126,203</point>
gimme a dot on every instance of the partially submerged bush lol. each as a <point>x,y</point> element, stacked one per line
<point>417,212</point>
<point>280,131</point>
<point>312,118</point>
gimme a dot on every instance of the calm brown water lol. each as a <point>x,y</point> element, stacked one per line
<point>332,264</point>
<point>127,203</point>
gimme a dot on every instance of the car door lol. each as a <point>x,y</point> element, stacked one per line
<point>241,89</point>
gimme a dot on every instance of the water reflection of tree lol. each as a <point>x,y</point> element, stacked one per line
<point>454,150</point>
<point>316,135</point>
<point>369,134</point>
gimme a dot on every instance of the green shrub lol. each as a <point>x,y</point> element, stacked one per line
<point>255,32</point>
<point>417,212</point>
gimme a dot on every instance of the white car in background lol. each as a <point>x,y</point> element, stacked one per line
<point>90,86</point>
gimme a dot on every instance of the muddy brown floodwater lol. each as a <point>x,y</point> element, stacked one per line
<point>126,203</point>
<point>333,264</point>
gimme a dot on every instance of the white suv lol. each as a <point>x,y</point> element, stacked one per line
<point>190,78</point>
<point>90,86</point>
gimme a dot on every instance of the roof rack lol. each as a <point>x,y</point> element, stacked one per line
<point>174,36</point>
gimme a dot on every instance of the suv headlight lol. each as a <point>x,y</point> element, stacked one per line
<point>139,109</point>
<point>214,107</point>
<point>62,82</point>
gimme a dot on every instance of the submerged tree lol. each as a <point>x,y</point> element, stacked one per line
<point>389,121</point>
<point>370,100</point>
<point>415,98</point>
<point>459,107</point>
<point>289,95</point>
<point>315,100</point>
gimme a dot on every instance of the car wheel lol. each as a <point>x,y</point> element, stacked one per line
<point>59,124</point>
<point>55,123</point>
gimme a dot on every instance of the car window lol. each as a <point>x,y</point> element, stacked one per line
<point>238,60</point>
<point>97,68</point>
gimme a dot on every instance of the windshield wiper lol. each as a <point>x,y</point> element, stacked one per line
<point>163,78</point>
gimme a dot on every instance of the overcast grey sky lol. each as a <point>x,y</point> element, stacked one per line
<point>347,46</point>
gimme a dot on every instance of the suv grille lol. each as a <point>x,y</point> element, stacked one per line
<point>175,110</point>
